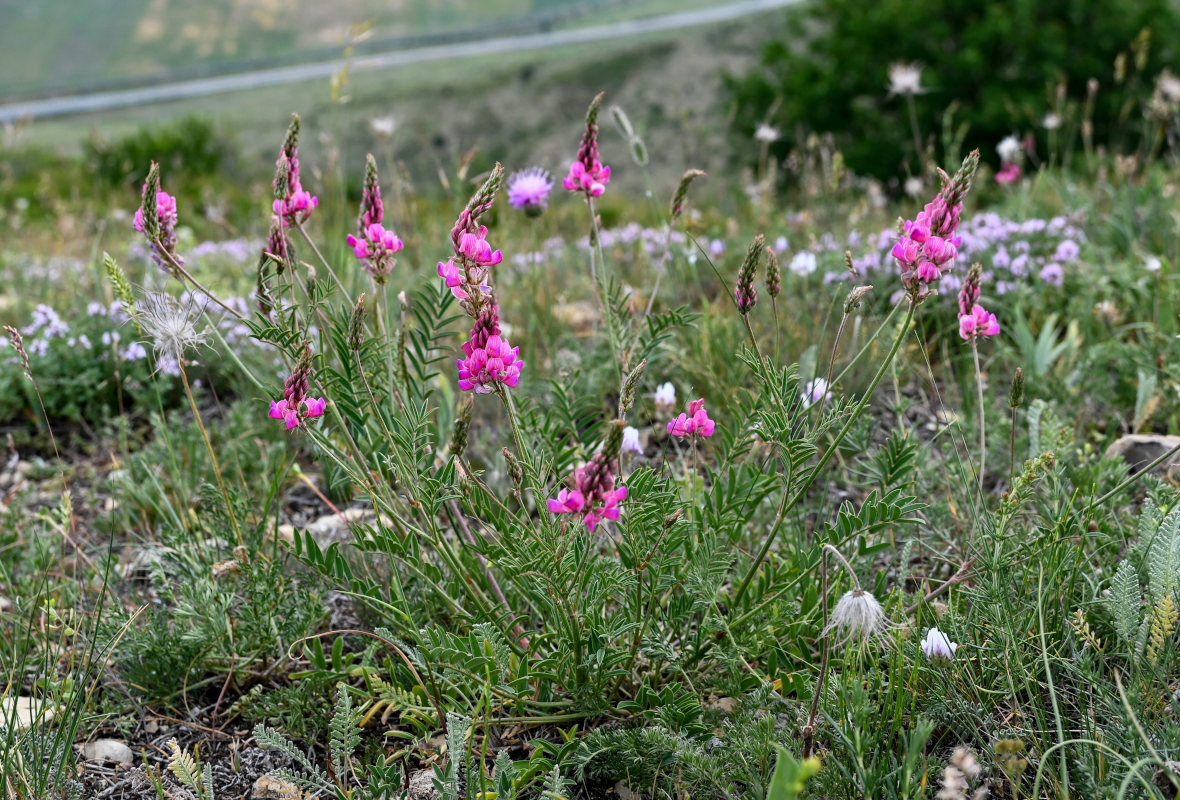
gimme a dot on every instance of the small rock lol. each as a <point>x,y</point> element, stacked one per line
<point>1140,449</point>
<point>5,604</point>
<point>269,788</point>
<point>422,786</point>
<point>24,711</point>
<point>331,527</point>
<point>582,316</point>
<point>726,705</point>
<point>107,750</point>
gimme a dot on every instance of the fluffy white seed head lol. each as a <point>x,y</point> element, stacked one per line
<point>857,615</point>
<point>172,325</point>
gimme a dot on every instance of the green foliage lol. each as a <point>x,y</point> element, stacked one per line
<point>185,149</point>
<point>997,62</point>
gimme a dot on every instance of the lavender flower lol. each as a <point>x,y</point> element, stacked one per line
<point>528,190</point>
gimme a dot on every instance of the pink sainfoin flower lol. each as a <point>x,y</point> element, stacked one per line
<point>529,189</point>
<point>159,224</point>
<point>974,319</point>
<point>587,173</point>
<point>296,407</point>
<point>979,322</point>
<point>928,245</point>
<point>292,204</point>
<point>1009,173</point>
<point>467,273</point>
<point>696,421</point>
<point>374,245</point>
<point>489,358</point>
<point>375,248</point>
<point>594,495</point>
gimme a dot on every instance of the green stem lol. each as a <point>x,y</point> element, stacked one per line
<point>209,446</point>
<point>827,456</point>
<point>982,416</point>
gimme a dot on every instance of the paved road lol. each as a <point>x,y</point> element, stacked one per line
<point>102,101</point>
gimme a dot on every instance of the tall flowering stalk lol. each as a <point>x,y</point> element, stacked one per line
<point>975,321</point>
<point>745,295</point>
<point>292,203</point>
<point>587,173</point>
<point>940,218</point>
<point>489,359</point>
<point>156,219</point>
<point>927,245</point>
<point>588,176</point>
<point>374,246</point>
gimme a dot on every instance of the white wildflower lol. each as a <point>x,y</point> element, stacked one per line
<point>766,133</point>
<point>1009,149</point>
<point>631,440</point>
<point>816,391</point>
<point>383,126</point>
<point>938,647</point>
<point>804,263</point>
<point>905,78</point>
<point>665,396</point>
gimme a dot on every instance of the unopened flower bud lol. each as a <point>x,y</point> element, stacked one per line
<point>855,297</point>
<point>774,279</point>
<point>1016,393</point>
<point>745,294</point>
<point>462,426</point>
<point>627,396</point>
<point>121,286</point>
<point>356,325</point>
<point>613,444</point>
<point>515,470</point>
<point>151,214</point>
<point>682,191</point>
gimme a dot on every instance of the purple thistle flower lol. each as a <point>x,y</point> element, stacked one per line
<point>528,190</point>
